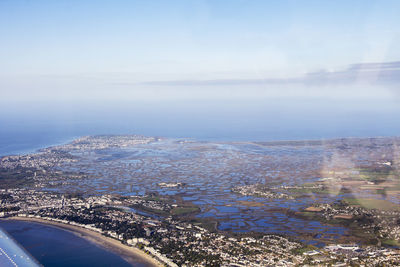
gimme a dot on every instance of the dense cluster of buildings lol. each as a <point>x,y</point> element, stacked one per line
<point>174,242</point>
<point>171,241</point>
<point>50,157</point>
<point>259,190</point>
<point>67,184</point>
<point>104,142</point>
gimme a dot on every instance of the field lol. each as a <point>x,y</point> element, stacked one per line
<point>379,204</point>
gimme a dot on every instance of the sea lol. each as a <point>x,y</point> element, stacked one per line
<point>53,246</point>
<point>29,128</point>
<point>34,126</point>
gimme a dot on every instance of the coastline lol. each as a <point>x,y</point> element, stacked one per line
<point>130,254</point>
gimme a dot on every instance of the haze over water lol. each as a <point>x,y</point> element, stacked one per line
<point>208,70</point>
<point>39,126</point>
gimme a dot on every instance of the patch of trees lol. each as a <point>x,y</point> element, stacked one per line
<point>17,177</point>
<point>8,209</point>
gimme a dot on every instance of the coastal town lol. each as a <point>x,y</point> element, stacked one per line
<point>189,203</point>
<point>260,191</point>
<point>228,133</point>
<point>176,243</point>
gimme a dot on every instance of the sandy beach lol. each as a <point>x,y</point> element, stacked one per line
<point>130,254</point>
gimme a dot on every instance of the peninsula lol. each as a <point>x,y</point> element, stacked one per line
<point>185,202</point>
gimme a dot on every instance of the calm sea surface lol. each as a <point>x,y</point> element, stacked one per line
<point>23,130</point>
<point>53,246</point>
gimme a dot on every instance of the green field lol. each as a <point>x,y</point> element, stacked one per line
<point>184,210</point>
<point>368,203</point>
<point>391,242</point>
<point>314,191</point>
<point>301,250</point>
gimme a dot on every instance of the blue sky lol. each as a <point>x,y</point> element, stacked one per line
<point>242,69</point>
<point>118,49</point>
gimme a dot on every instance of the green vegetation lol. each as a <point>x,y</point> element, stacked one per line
<point>316,216</point>
<point>393,188</point>
<point>308,215</point>
<point>150,210</point>
<point>301,250</point>
<point>207,223</point>
<point>156,198</point>
<point>250,203</point>
<point>307,190</point>
<point>377,174</point>
<point>391,242</point>
<point>180,210</point>
<point>8,209</point>
<point>184,210</point>
<point>366,237</point>
<point>18,177</point>
<point>367,203</point>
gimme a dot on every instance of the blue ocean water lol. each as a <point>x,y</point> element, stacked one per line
<point>26,129</point>
<point>53,246</point>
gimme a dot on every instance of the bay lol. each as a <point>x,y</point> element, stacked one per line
<point>52,246</point>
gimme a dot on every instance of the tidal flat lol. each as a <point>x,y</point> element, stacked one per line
<point>208,172</point>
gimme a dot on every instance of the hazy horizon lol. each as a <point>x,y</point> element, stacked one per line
<point>204,69</point>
